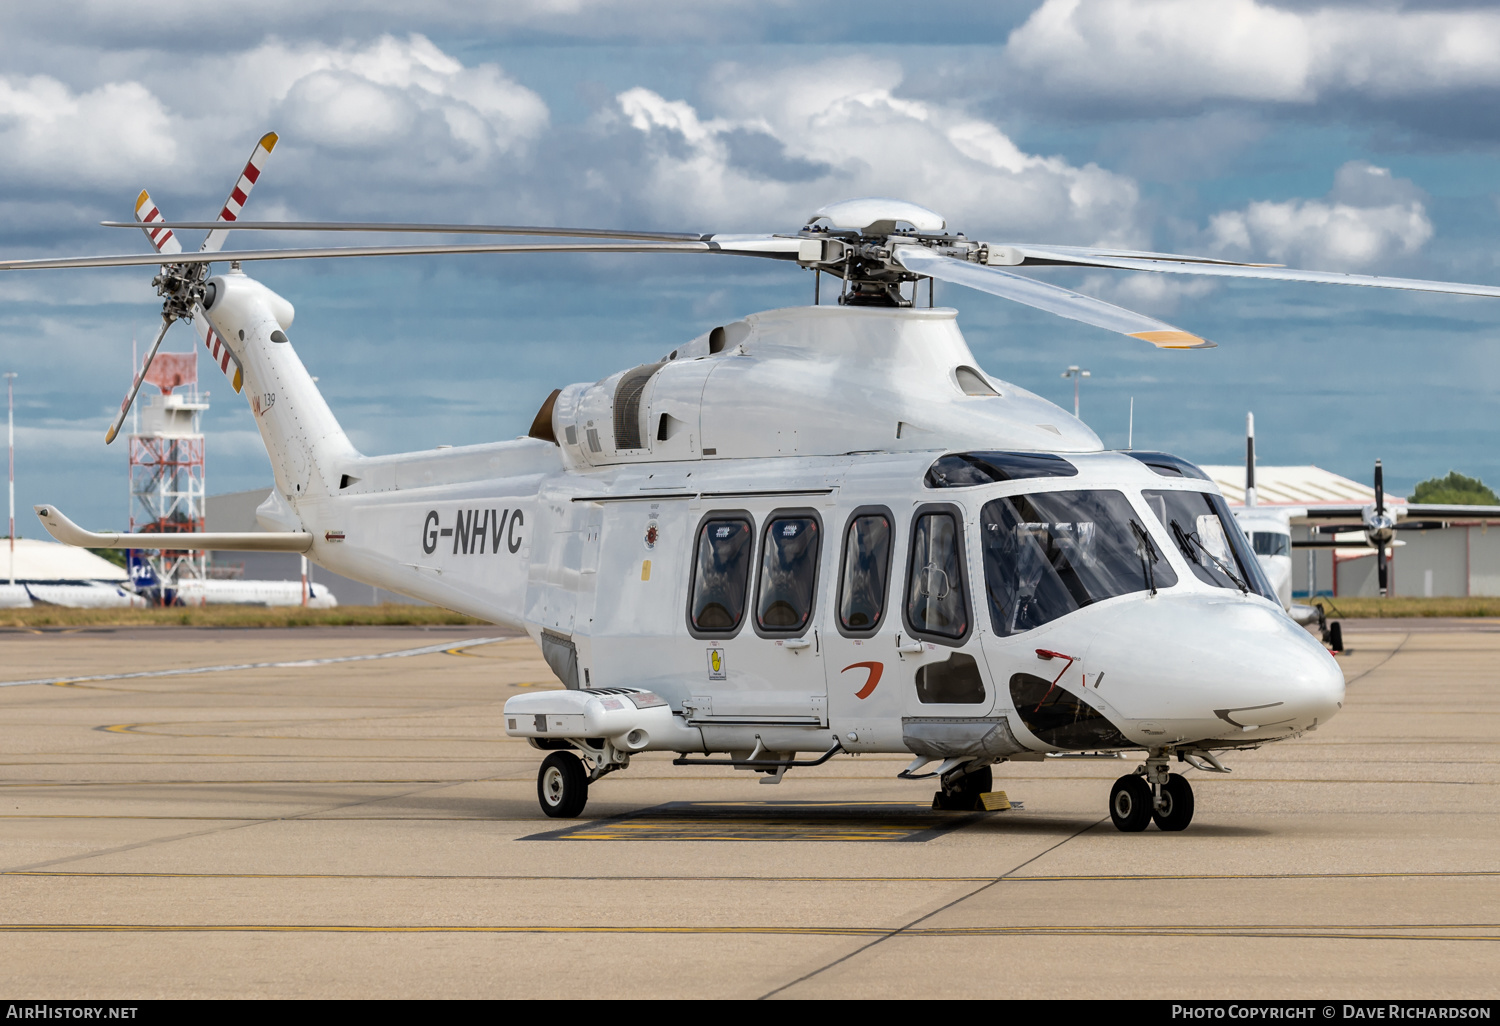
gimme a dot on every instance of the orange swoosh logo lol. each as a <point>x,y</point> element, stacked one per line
<point>875,670</point>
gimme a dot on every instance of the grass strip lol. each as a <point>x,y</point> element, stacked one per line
<point>1366,608</point>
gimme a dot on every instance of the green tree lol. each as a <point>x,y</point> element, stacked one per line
<point>115,556</point>
<point>1456,490</point>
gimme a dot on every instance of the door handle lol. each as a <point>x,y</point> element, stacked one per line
<point>797,643</point>
<point>909,647</point>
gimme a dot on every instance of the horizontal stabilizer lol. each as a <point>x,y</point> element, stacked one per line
<point>69,533</point>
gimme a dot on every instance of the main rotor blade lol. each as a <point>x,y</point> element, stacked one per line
<point>135,387</point>
<point>1072,254</point>
<point>1172,264</point>
<point>134,260</point>
<point>1043,296</point>
<point>433,229</point>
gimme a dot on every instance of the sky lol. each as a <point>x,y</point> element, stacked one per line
<point>1359,137</point>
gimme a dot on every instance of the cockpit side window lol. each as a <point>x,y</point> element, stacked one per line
<point>865,572</point>
<point>1050,553</point>
<point>721,574</point>
<point>937,597</point>
<point>788,573</point>
<point>1271,543</point>
<point>1210,539</point>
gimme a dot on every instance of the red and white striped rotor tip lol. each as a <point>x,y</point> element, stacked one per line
<point>163,239</point>
<point>241,192</point>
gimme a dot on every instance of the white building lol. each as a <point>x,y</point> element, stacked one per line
<point>48,573</point>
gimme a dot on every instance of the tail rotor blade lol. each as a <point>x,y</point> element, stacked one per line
<point>146,213</point>
<point>114,429</point>
<point>241,191</point>
<point>1379,491</point>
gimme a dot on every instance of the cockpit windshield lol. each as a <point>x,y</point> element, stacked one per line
<point>1211,540</point>
<point>1050,553</point>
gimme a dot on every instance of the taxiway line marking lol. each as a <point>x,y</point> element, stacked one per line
<point>186,671</point>
<point>887,934</point>
<point>1400,932</point>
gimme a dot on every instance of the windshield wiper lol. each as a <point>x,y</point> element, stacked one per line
<point>1187,542</point>
<point>1147,551</point>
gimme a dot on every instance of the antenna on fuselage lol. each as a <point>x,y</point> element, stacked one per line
<point>1130,427</point>
<point>1249,460</point>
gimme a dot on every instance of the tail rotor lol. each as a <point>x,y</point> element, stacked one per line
<point>181,284</point>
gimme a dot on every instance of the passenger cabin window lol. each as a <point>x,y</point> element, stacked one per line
<point>721,575</point>
<point>937,601</point>
<point>788,574</point>
<point>865,572</point>
<point>1210,539</point>
<point>1050,553</point>
<point>1270,543</point>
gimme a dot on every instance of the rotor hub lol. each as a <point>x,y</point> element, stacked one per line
<point>181,288</point>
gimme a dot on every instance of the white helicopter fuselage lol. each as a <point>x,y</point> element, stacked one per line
<point>1270,533</point>
<point>859,598</point>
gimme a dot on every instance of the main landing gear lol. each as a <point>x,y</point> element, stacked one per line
<point>1151,793</point>
<point>562,785</point>
<point>961,791</point>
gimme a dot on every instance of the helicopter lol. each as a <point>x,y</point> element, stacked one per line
<point>811,532</point>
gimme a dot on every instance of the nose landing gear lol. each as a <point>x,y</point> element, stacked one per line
<point>1151,793</point>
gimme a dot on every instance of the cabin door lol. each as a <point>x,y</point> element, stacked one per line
<point>752,607</point>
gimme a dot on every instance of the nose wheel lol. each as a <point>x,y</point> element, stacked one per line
<point>1130,804</point>
<point>1174,804</point>
<point>1134,803</point>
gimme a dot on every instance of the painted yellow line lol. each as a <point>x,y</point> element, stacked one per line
<point>631,878</point>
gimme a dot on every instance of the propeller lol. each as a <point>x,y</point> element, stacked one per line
<point>1249,460</point>
<point>180,283</point>
<point>874,246</point>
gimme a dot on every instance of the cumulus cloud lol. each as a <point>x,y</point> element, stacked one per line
<point>1149,293</point>
<point>358,122</point>
<point>1186,51</point>
<point>777,146</point>
<point>364,98</point>
<point>54,135</point>
<point>1369,218</point>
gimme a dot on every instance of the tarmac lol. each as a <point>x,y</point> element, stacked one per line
<point>273,813</point>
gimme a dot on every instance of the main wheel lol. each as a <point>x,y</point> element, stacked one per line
<point>965,796</point>
<point>1176,810</point>
<point>562,786</point>
<point>1130,803</point>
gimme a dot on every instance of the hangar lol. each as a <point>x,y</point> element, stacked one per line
<point>47,573</point>
<point>1462,559</point>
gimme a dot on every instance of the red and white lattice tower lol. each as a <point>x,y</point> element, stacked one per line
<point>167,464</point>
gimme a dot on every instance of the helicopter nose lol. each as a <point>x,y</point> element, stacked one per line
<point>1197,667</point>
